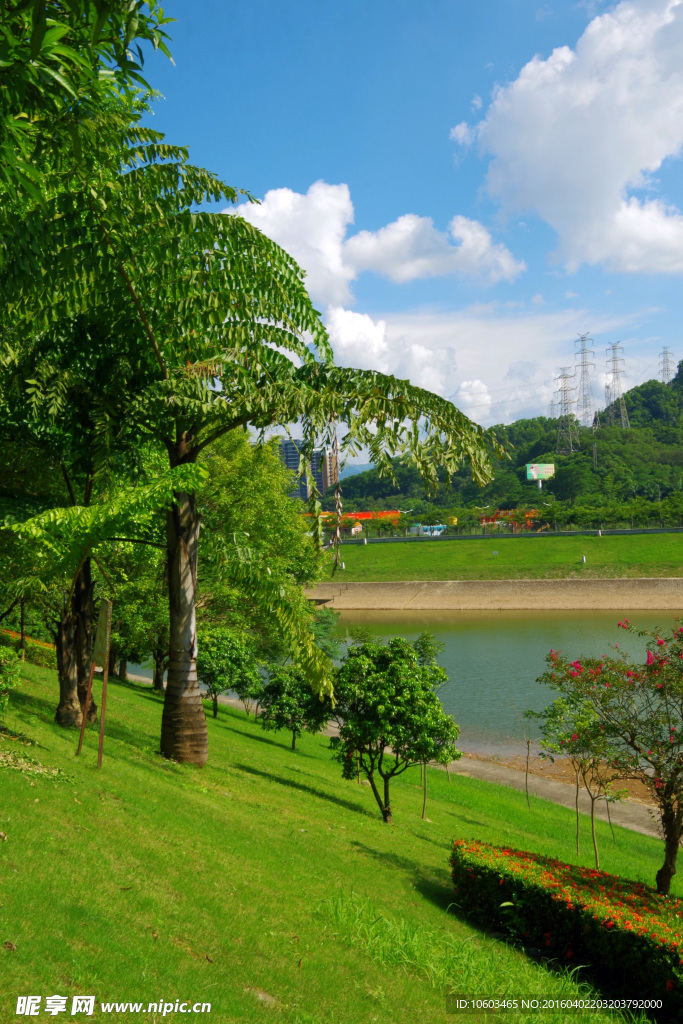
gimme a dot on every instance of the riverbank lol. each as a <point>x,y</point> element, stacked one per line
<point>643,594</point>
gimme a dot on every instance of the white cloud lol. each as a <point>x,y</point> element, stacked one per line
<point>360,341</point>
<point>313,228</point>
<point>575,134</point>
<point>474,399</point>
<point>357,340</point>
<point>411,247</point>
<point>494,364</point>
<point>463,133</point>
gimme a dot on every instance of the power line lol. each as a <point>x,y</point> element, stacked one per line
<point>616,372</point>
<point>667,367</point>
<point>568,428</point>
<point>585,405</point>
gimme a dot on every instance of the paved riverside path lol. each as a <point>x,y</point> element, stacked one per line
<point>629,814</point>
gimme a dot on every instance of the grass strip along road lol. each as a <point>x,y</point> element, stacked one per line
<point>500,558</point>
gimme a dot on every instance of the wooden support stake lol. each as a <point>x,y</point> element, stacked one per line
<point>86,709</point>
<point>102,712</point>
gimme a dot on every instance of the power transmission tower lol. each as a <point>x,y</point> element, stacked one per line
<point>609,408</point>
<point>553,414</point>
<point>568,429</point>
<point>585,397</point>
<point>667,370</point>
<point>614,365</point>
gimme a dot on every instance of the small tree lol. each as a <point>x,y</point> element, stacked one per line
<point>638,711</point>
<point>390,718</point>
<point>226,662</point>
<point>570,728</point>
<point>287,702</point>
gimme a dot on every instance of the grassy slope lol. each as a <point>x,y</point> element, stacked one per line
<point>524,558</point>
<point>149,880</point>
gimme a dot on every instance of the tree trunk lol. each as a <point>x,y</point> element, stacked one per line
<point>214,701</point>
<point>577,813</point>
<point>68,713</point>
<point>424,796</point>
<point>671,826</point>
<point>82,604</point>
<point>386,810</point>
<point>183,725</point>
<point>293,740</point>
<point>383,806</point>
<point>112,661</point>
<point>595,842</point>
<point>123,669</point>
<point>159,668</point>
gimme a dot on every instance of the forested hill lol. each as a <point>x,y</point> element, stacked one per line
<point>645,461</point>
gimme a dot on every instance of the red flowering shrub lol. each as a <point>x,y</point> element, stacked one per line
<point>630,936</point>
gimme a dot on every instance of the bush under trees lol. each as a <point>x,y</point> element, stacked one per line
<point>390,718</point>
<point>287,702</point>
<point>226,661</point>
<point>9,674</point>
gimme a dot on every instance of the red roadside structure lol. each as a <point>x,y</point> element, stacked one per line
<point>354,520</point>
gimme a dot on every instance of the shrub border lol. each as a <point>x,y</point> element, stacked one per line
<point>36,652</point>
<point>555,909</point>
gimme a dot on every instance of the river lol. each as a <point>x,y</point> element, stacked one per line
<point>493,659</point>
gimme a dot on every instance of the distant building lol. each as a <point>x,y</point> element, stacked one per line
<point>323,466</point>
<point>418,530</point>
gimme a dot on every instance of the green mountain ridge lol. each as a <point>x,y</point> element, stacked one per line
<point>611,464</point>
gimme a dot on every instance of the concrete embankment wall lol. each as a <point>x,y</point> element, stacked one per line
<point>515,595</point>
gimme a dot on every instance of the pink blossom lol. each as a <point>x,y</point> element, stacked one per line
<point>650,658</point>
<point>660,642</point>
<point>575,736</point>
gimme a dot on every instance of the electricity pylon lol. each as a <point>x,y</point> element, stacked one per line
<point>568,429</point>
<point>609,408</point>
<point>585,405</point>
<point>667,369</point>
<point>614,366</point>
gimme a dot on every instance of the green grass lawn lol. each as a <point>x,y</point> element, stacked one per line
<point>263,884</point>
<point>518,558</point>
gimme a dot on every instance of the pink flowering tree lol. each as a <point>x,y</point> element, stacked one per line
<point>638,723</point>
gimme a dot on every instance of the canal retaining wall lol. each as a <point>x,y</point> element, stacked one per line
<point>514,595</point>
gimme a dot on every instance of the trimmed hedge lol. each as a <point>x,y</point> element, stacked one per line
<point>631,937</point>
<point>36,652</point>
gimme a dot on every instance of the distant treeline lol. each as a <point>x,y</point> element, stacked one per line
<point>632,476</point>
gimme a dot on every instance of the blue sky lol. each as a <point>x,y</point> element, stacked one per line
<point>469,184</point>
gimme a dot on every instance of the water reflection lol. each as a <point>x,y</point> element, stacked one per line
<point>494,658</point>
